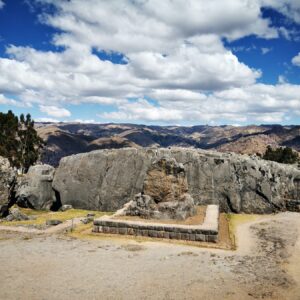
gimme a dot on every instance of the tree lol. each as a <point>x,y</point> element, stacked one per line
<point>282,155</point>
<point>19,141</point>
<point>8,137</point>
<point>29,143</point>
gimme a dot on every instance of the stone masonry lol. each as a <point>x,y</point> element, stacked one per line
<point>206,232</point>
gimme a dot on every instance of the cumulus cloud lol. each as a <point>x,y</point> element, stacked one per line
<point>257,102</point>
<point>55,111</point>
<point>289,8</point>
<point>173,52</point>
<point>296,60</point>
<point>153,25</point>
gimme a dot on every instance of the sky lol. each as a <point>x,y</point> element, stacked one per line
<point>171,62</point>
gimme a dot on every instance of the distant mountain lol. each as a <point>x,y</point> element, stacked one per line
<point>64,139</point>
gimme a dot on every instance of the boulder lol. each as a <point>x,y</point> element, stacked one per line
<point>34,189</point>
<point>53,222</point>
<point>107,179</point>
<point>66,207</point>
<point>164,194</point>
<point>7,180</point>
<point>16,215</point>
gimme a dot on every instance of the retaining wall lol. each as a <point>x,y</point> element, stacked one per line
<point>206,232</point>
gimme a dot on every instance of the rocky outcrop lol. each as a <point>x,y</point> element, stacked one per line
<point>34,189</point>
<point>7,179</point>
<point>107,179</point>
<point>164,194</point>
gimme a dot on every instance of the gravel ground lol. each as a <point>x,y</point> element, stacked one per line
<point>265,266</point>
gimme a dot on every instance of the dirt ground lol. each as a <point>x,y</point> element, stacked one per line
<point>266,265</point>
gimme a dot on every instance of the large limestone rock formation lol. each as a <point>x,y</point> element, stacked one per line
<point>7,178</point>
<point>164,194</point>
<point>34,189</point>
<point>107,179</point>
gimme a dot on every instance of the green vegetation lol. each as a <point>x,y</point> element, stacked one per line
<point>19,141</point>
<point>282,155</point>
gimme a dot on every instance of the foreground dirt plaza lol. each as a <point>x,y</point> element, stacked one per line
<point>266,265</point>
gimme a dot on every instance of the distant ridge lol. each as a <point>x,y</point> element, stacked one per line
<point>71,138</point>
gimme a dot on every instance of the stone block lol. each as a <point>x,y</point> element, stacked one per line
<point>166,235</point>
<point>160,234</point>
<point>200,237</point>
<point>185,236</point>
<point>130,231</point>
<point>122,230</point>
<point>96,228</point>
<point>173,235</point>
<point>113,230</point>
<point>212,238</point>
<point>145,232</point>
<point>153,233</point>
<point>192,237</point>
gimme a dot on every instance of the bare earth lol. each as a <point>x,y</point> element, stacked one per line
<point>55,266</point>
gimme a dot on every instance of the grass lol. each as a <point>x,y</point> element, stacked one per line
<point>42,216</point>
<point>234,220</point>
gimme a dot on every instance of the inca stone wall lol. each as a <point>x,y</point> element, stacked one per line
<point>107,179</point>
<point>206,232</point>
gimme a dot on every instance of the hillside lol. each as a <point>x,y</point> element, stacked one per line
<point>64,139</point>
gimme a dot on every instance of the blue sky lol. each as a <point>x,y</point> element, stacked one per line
<point>171,62</point>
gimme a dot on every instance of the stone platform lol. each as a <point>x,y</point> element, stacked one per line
<point>205,232</point>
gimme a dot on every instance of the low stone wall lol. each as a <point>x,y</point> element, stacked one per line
<point>206,232</point>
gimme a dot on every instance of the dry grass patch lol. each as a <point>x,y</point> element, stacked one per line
<point>40,216</point>
<point>234,220</point>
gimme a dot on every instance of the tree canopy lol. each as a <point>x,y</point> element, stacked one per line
<point>284,155</point>
<point>19,141</point>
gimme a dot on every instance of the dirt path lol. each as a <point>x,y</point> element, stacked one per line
<point>53,229</point>
<point>265,266</point>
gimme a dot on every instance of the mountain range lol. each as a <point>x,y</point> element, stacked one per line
<point>64,139</point>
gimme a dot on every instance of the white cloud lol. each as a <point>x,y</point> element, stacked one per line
<point>296,60</point>
<point>9,101</point>
<point>265,50</point>
<point>254,103</point>
<point>154,25</point>
<point>175,55</point>
<point>289,8</point>
<point>282,79</point>
<point>55,111</point>
<point>1,4</point>
<point>90,121</point>
<point>46,120</point>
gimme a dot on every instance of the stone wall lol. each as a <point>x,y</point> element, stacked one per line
<point>206,232</point>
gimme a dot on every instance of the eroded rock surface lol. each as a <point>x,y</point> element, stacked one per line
<point>107,179</point>
<point>7,178</point>
<point>165,193</point>
<point>34,189</point>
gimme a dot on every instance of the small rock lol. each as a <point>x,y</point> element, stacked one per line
<point>90,215</point>
<point>87,220</point>
<point>66,207</point>
<point>53,222</point>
